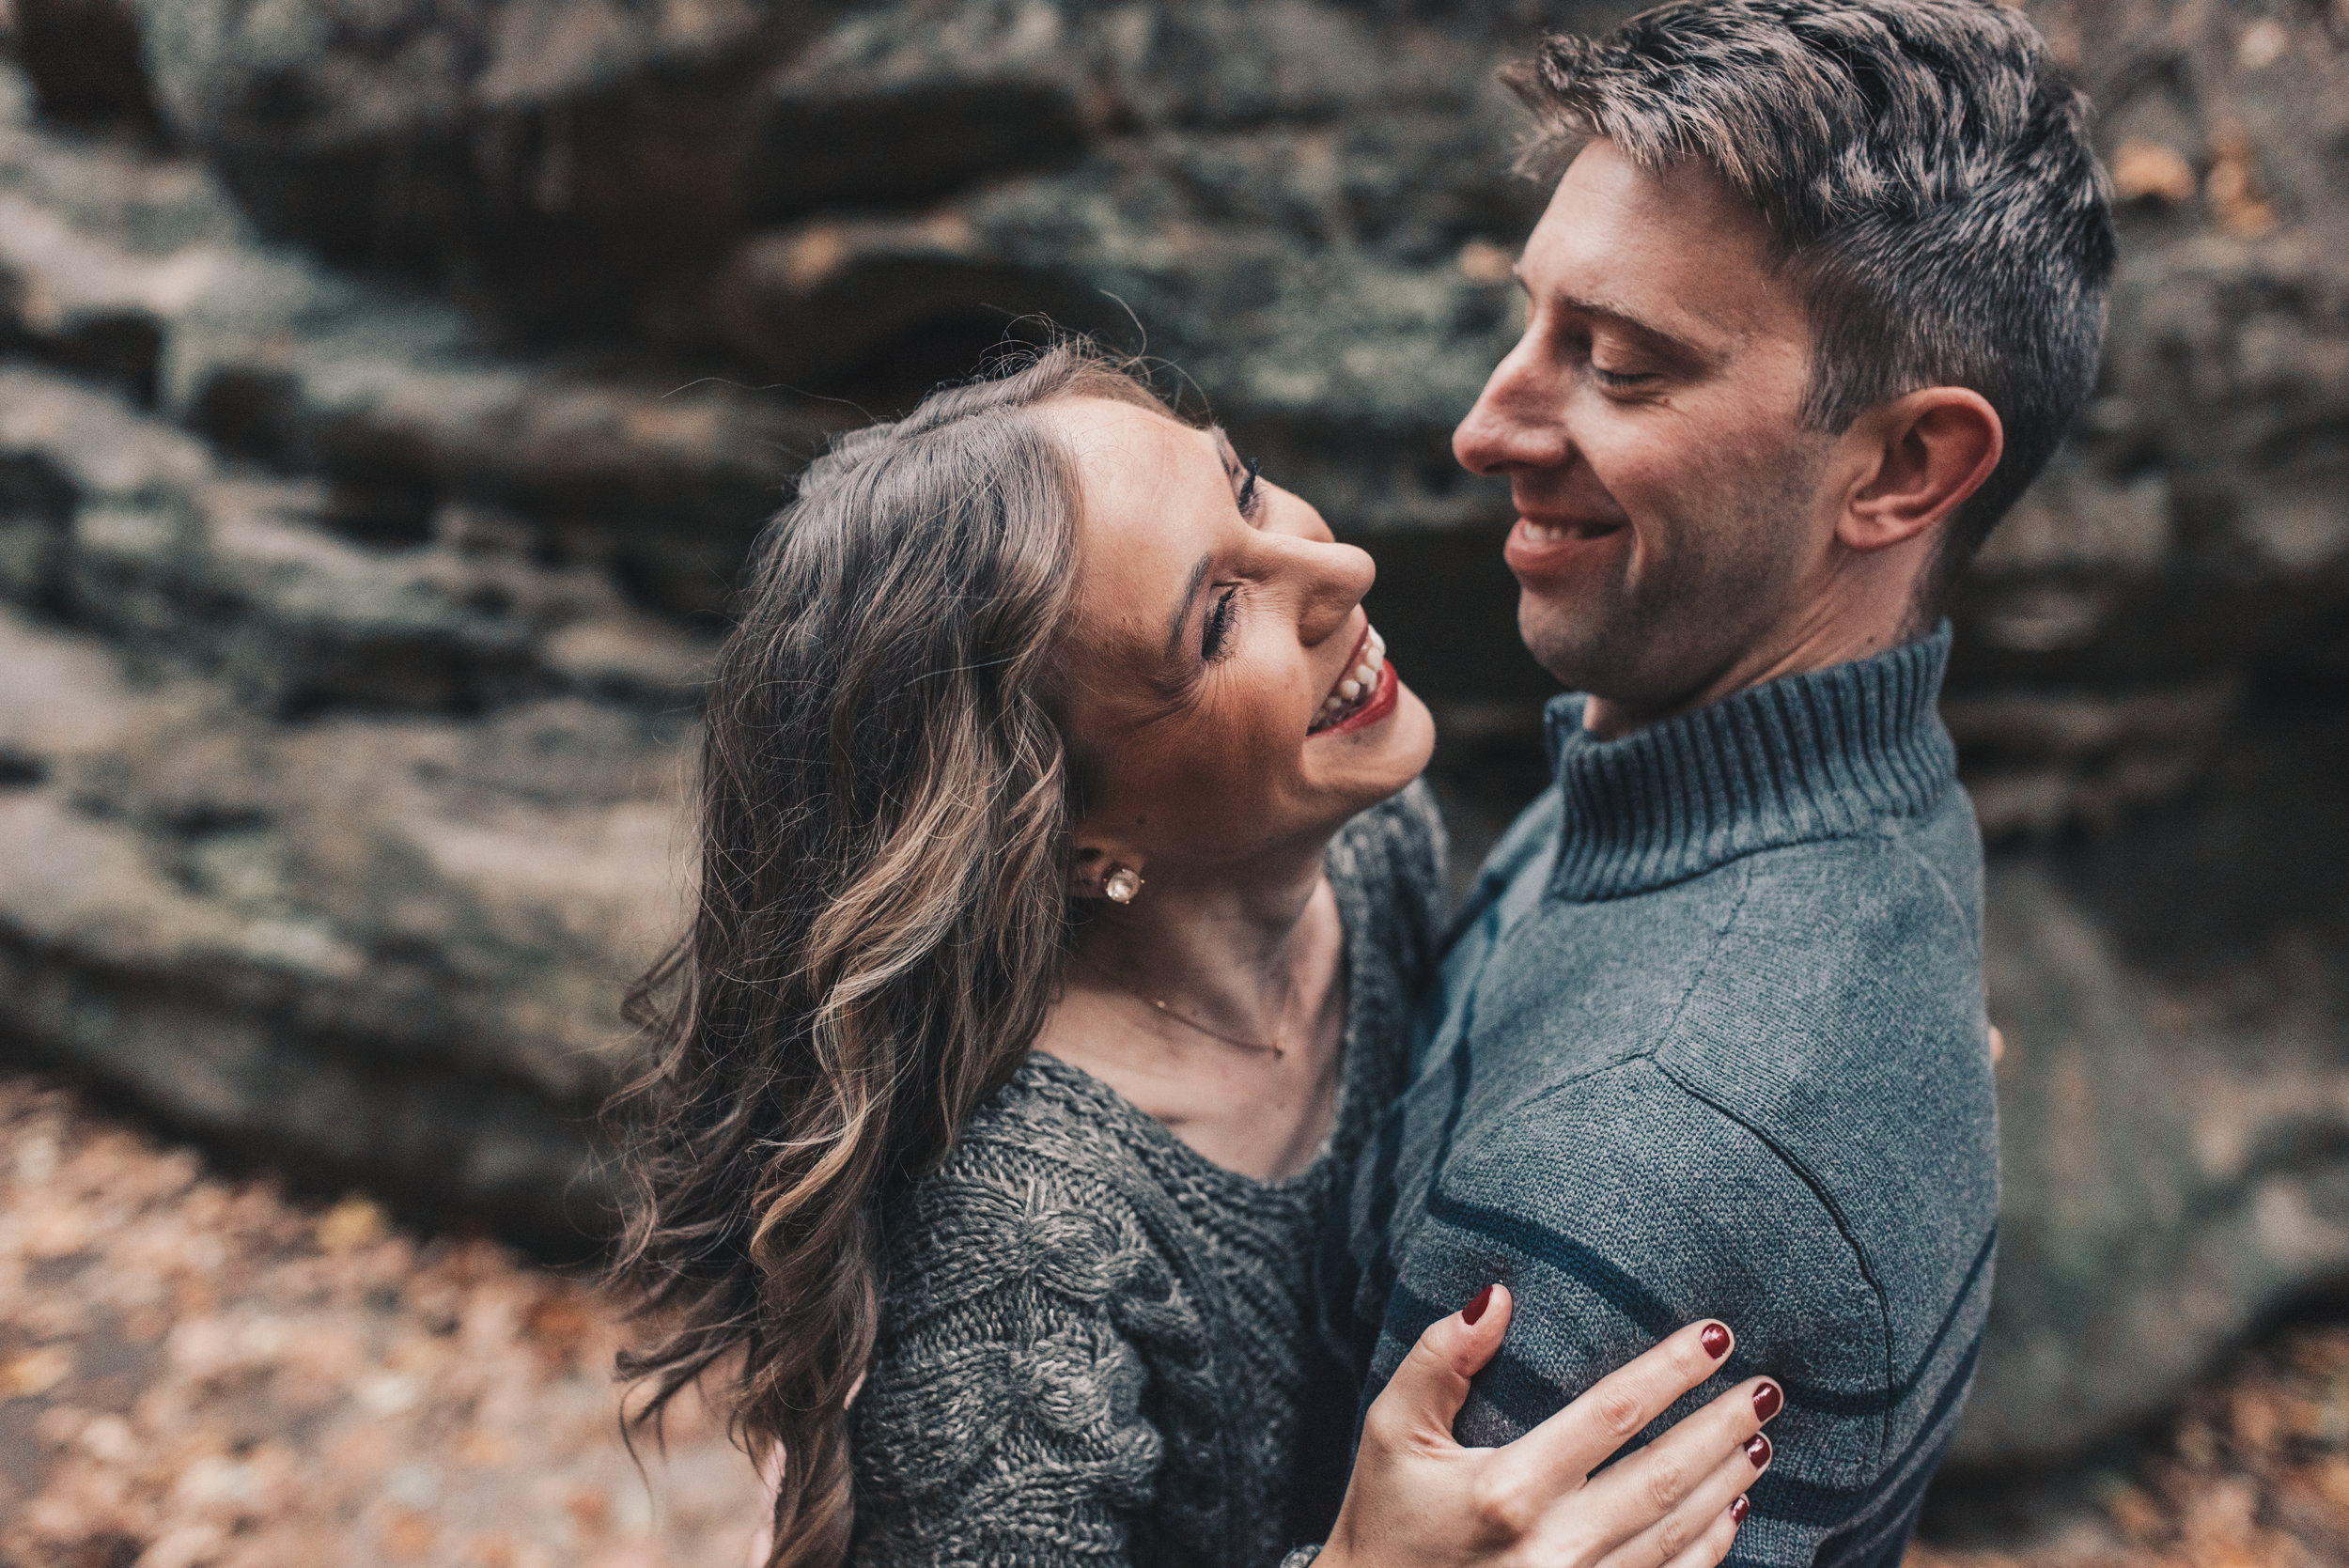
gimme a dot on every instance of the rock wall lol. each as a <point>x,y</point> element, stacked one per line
<point>387,391</point>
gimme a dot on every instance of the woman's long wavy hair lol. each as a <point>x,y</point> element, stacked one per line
<point>883,912</point>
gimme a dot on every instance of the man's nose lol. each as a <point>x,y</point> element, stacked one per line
<point>1518,422</point>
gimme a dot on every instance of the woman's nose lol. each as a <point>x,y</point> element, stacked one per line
<point>1288,513</point>
<point>1338,577</point>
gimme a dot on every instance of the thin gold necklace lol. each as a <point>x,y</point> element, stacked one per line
<point>1279,1042</point>
<point>1278,1048</point>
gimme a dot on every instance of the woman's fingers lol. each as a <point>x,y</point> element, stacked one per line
<point>1708,1507</point>
<point>1420,1401</point>
<point>1668,1468</point>
<point>1712,1543</point>
<point>1647,1495</point>
<point>1416,1497</point>
<point>1558,1453</point>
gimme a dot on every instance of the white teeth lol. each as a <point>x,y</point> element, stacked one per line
<point>1360,681</point>
<point>1542,534</point>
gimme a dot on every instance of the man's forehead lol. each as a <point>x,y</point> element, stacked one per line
<point>1678,252</point>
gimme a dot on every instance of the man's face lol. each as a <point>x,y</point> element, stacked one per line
<point>1670,527</point>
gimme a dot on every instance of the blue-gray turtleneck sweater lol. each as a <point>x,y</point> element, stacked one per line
<point>1709,1041</point>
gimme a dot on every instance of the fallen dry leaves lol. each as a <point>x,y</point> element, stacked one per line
<point>2253,1473</point>
<point>200,1372</point>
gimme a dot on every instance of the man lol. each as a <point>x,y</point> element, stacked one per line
<point>1811,304</point>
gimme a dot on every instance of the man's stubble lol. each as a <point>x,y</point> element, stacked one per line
<point>1652,639</point>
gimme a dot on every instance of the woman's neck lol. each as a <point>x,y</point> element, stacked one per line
<point>1216,1004</point>
<point>1222,943</point>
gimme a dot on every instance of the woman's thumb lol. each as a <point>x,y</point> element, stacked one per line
<point>1423,1397</point>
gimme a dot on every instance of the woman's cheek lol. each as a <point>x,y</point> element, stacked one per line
<point>1254,755</point>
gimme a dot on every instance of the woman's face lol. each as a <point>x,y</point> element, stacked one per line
<point>1216,660</point>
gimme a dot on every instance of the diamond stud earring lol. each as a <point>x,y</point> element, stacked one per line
<point>1121,885</point>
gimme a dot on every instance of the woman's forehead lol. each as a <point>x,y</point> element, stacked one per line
<point>1143,474</point>
<point>1155,497</point>
<point>1111,440</point>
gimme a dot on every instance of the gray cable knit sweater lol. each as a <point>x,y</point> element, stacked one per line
<point>1093,1340</point>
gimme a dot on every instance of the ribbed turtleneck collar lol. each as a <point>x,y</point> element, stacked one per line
<point>1810,757</point>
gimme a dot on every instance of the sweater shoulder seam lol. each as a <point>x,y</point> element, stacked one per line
<point>1795,1166</point>
<point>1939,880</point>
<point>1697,973</point>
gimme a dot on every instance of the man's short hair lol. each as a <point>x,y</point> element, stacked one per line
<point>1926,171</point>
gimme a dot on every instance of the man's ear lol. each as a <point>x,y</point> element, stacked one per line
<point>1932,449</point>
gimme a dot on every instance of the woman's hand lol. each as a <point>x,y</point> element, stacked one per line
<point>1418,1498</point>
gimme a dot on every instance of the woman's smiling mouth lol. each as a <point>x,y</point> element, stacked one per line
<point>1364,694</point>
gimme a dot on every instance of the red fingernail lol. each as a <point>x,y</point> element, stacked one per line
<point>1738,1510</point>
<point>1475,1308</point>
<point>1758,1450</point>
<point>1766,1399</point>
<point>1716,1341</point>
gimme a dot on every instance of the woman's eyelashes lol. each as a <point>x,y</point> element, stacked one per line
<point>1250,502</point>
<point>1224,610</point>
<point>1219,616</point>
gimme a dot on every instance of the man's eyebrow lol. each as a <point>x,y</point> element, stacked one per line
<point>1606,311</point>
<point>1181,617</point>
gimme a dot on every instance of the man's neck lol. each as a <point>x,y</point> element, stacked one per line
<point>1831,633</point>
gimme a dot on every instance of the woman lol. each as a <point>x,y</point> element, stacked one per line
<point>1064,888</point>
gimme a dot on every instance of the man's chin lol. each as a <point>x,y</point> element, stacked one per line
<point>1566,644</point>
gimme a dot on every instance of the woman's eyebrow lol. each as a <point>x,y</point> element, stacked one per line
<point>1181,617</point>
<point>1230,453</point>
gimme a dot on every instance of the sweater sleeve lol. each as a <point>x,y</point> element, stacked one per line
<point>1605,1211</point>
<point>1001,1419</point>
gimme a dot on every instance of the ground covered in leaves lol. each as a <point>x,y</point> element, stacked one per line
<point>2253,1473</point>
<point>202,1372</point>
<point>198,1370</point>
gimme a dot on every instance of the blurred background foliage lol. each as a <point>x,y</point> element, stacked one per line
<point>389,389</point>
